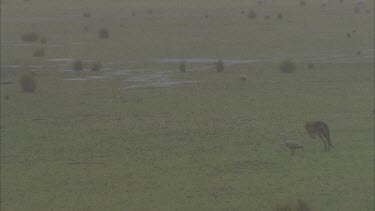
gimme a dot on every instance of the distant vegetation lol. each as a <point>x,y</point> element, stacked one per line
<point>103,33</point>
<point>219,66</point>
<point>251,14</point>
<point>77,65</point>
<point>96,66</point>
<point>30,37</point>
<point>287,66</point>
<point>28,82</point>
<point>182,67</point>
<point>43,40</point>
<point>39,52</point>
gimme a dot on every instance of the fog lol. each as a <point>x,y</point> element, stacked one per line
<point>187,105</point>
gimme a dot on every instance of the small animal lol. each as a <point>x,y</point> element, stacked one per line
<point>320,129</point>
<point>293,146</point>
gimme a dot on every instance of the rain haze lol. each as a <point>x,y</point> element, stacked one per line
<point>264,105</point>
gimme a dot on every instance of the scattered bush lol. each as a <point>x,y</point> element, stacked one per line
<point>182,67</point>
<point>28,82</point>
<point>150,11</point>
<point>6,97</point>
<point>359,53</point>
<point>133,13</point>
<point>287,66</point>
<point>77,65</point>
<point>302,3</point>
<point>39,52</point>
<point>87,14</point>
<point>267,17</point>
<point>348,35</point>
<point>43,40</point>
<point>96,66</point>
<point>219,66</point>
<point>310,66</point>
<point>251,14</point>
<point>243,77</point>
<point>30,37</point>
<point>103,33</point>
<point>280,16</point>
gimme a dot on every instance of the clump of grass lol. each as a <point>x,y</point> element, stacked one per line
<point>87,14</point>
<point>30,37</point>
<point>251,14</point>
<point>243,77</point>
<point>287,66</point>
<point>219,66</point>
<point>182,67</point>
<point>77,65</point>
<point>43,40</point>
<point>96,66</point>
<point>28,82</point>
<point>103,33</point>
<point>39,52</point>
<point>310,66</point>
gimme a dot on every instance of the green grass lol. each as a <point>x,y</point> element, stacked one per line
<point>213,145</point>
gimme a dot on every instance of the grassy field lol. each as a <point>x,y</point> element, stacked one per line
<point>117,142</point>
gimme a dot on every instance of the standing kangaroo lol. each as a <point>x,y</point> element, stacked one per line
<point>320,128</point>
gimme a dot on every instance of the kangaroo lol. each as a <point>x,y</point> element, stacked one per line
<point>320,129</point>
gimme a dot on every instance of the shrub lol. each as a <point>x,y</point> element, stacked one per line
<point>87,14</point>
<point>302,3</point>
<point>133,13</point>
<point>150,11</point>
<point>96,66</point>
<point>39,52</point>
<point>243,77</point>
<point>182,67</point>
<point>103,33</point>
<point>43,40</point>
<point>77,65</point>
<point>267,17</point>
<point>280,16</point>
<point>28,82</point>
<point>310,66</point>
<point>287,66</point>
<point>219,66</point>
<point>30,37</point>
<point>251,14</point>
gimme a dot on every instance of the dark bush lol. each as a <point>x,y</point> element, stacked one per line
<point>77,65</point>
<point>39,52</point>
<point>96,66</point>
<point>182,67</point>
<point>30,37</point>
<point>87,14</point>
<point>103,33</point>
<point>220,66</point>
<point>251,14</point>
<point>287,66</point>
<point>28,82</point>
<point>43,40</point>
